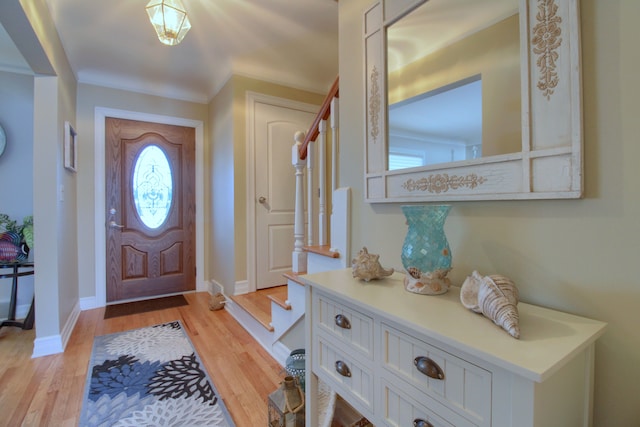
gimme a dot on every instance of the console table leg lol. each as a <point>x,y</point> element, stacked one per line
<point>28,321</point>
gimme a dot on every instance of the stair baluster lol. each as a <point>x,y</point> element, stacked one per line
<point>299,256</point>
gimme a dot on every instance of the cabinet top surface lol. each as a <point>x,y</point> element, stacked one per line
<point>548,338</point>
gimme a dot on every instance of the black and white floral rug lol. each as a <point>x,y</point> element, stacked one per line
<point>150,377</point>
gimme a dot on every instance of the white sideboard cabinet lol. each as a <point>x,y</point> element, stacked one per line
<point>409,360</point>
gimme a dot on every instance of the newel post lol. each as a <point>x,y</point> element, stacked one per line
<point>299,257</point>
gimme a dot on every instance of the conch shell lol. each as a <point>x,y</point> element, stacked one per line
<point>366,266</point>
<point>496,297</point>
<point>433,283</point>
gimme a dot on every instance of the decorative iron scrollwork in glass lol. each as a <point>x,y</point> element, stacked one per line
<point>152,186</point>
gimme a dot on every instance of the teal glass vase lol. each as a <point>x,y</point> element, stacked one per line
<point>426,255</point>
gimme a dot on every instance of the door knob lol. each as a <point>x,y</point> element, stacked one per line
<point>262,200</point>
<point>114,224</point>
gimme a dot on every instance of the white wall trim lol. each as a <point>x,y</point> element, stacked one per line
<point>45,346</point>
<point>215,287</point>
<point>101,113</point>
<point>242,287</point>
<point>88,303</point>
<point>253,98</point>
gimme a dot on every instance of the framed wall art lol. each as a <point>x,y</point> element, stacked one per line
<point>70,147</point>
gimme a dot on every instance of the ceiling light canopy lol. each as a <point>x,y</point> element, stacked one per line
<point>169,19</point>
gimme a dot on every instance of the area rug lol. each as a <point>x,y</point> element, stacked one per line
<point>144,306</point>
<point>150,377</point>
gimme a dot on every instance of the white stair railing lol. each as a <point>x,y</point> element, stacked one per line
<point>304,149</point>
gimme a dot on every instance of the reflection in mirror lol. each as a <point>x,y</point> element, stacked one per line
<point>437,74</point>
<point>444,125</point>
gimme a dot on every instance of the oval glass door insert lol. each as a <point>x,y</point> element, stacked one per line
<point>152,186</point>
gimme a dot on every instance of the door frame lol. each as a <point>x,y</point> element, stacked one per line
<point>253,98</point>
<point>101,113</point>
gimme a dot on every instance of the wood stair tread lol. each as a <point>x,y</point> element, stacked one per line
<point>258,306</point>
<point>295,277</point>
<point>280,297</point>
<point>324,250</point>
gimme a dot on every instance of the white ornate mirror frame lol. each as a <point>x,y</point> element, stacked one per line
<point>550,163</point>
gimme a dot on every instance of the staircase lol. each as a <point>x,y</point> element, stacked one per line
<point>320,240</point>
<point>275,316</point>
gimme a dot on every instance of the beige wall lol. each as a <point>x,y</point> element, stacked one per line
<point>55,234</point>
<point>16,165</point>
<point>228,257</point>
<point>578,256</point>
<point>220,254</point>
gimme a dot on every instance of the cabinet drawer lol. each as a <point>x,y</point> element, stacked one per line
<point>465,387</point>
<point>403,409</point>
<point>351,327</point>
<point>336,366</point>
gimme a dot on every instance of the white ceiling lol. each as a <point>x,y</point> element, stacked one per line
<point>112,43</point>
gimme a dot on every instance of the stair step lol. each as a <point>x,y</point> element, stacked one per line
<point>258,304</point>
<point>324,250</point>
<point>280,297</point>
<point>294,277</point>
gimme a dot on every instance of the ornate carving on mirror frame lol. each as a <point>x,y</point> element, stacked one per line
<point>374,104</point>
<point>546,40</point>
<point>549,164</point>
<point>441,183</point>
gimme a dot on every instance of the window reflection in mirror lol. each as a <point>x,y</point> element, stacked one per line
<point>441,126</point>
<point>453,82</point>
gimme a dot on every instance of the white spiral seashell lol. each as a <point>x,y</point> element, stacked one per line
<point>496,297</point>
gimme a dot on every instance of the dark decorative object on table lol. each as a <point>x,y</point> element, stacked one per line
<point>12,248</point>
<point>295,365</point>
<point>15,240</point>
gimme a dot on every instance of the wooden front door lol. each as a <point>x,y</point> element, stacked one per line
<point>150,202</point>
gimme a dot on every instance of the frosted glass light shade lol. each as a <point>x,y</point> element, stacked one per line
<point>169,19</point>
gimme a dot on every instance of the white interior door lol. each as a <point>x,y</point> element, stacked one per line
<point>275,127</point>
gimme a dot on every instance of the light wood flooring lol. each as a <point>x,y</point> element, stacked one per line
<point>48,391</point>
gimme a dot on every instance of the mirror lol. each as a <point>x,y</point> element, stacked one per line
<point>441,57</point>
<point>512,80</point>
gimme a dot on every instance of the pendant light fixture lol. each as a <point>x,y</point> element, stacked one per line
<point>169,19</point>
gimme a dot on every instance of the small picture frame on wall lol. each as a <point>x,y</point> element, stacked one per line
<point>70,147</point>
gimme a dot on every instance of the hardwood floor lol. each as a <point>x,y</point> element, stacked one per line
<point>48,391</point>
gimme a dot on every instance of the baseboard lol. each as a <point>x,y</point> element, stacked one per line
<point>88,303</point>
<point>241,287</point>
<point>46,346</point>
<point>54,344</point>
<point>21,310</point>
<point>70,324</point>
<point>213,287</point>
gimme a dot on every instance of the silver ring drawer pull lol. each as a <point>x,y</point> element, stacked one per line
<point>428,367</point>
<point>343,322</point>
<point>342,368</point>
<point>421,423</point>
